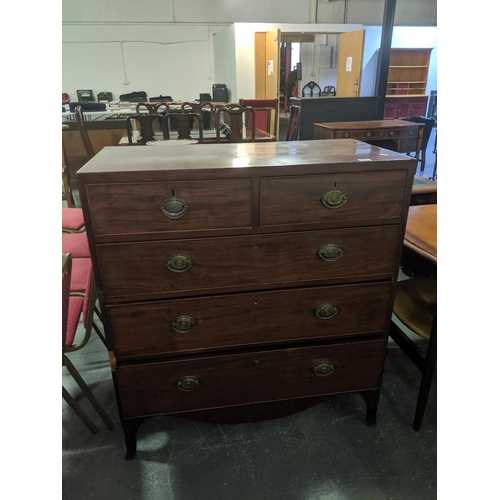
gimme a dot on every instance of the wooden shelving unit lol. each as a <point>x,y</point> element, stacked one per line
<point>406,83</point>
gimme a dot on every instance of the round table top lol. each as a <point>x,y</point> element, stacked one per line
<point>421,231</point>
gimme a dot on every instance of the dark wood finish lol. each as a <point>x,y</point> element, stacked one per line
<point>196,107</point>
<point>87,144</point>
<point>396,135</point>
<point>146,124</point>
<point>233,115</point>
<point>268,317</point>
<point>332,109</point>
<point>292,134</point>
<point>185,121</point>
<point>256,279</point>
<point>153,108</point>
<point>424,191</point>
<point>255,377</point>
<point>245,262</point>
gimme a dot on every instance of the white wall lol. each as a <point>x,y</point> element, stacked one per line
<point>225,60</point>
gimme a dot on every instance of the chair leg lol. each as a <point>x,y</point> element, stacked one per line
<point>86,390</point>
<point>425,384</point>
<point>78,410</point>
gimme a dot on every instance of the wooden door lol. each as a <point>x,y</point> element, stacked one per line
<point>267,64</point>
<point>351,46</point>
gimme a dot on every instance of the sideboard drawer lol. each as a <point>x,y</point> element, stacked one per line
<point>341,197</point>
<point>160,207</point>
<point>408,145</point>
<point>219,381</point>
<point>244,319</point>
<point>360,135</point>
<point>207,265</point>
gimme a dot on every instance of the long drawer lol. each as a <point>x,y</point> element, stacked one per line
<point>219,381</point>
<point>207,265</point>
<point>245,319</point>
<point>339,197</point>
<point>162,207</point>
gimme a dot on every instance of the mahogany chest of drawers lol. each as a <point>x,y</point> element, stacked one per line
<point>244,274</point>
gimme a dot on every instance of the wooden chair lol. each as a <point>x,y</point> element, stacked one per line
<point>311,89</point>
<point>266,114</point>
<point>80,122</point>
<point>415,306</point>
<point>236,130</point>
<point>152,108</point>
<point>185,122</point>
<point>292,134</point>
<point>428,124</point>
<point>329,91</point>
<point>145,126</point>
<point>72,308</point>
<point>197,107</point>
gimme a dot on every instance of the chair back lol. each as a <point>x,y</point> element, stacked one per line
<point>329,90</point>
<point>292,133</point>
<point>145,127</point>
<point>197,107</point>
<point>237,130</point>
<point>311,89</point>
<point>152,108</point>
<point>266,114</point>
<point>185,122</point>
<point>80,122</point>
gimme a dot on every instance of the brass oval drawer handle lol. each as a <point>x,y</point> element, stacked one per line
<point>173,208</point>
<point>326,311</point>
<point>334,198</point>
<point>188,383</point>
<point>331,252</point>
<point>323,368</point>
<point>179,263</point>
<point>391,132</point>
<point>368,134</point>
<point>346,134</point>
<point>183,324</point>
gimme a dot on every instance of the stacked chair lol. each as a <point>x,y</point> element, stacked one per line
<point>79,302</point>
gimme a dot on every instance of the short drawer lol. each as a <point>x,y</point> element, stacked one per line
<point>213,265</point>
<point>160,207</point>
<point>262,376</point>
<point>246,319</point>
<point>344,197</point>
<point>408,145</point>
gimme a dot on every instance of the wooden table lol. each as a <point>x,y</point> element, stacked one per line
<point>423,192</point>
<point>397,135</point>
<point>420,241</point>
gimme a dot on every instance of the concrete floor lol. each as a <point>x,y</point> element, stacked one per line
<point>324,453</point>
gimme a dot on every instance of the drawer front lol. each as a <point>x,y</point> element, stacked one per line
<point>261,318</point>
<point>219,381</point>
<point>408,145</point>
<point>360,135</point>
<point>153,207</point>
<point>207,265</point>
<point>332,198</point>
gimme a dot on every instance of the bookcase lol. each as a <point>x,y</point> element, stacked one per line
<point>406,83</point>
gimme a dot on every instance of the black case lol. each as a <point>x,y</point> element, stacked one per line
<point>104,96</point>
<point>134,97</point>
<point>220,92</point>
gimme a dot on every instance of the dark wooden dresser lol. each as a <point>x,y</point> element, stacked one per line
<point>234,276</point>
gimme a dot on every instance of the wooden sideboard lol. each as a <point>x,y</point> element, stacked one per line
<point>238,275</point>
<point>397,135</point>
<point>398,107</point>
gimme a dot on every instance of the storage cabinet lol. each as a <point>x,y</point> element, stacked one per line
<point>406,83</point>
<point>233,276</point>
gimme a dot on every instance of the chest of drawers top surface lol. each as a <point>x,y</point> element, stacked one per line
<point>238,157</point>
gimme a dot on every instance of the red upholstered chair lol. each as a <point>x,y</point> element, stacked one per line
<point>76,244</point>
<point>72,220</point>
<point>72,307</point>
<point>266,114</point>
